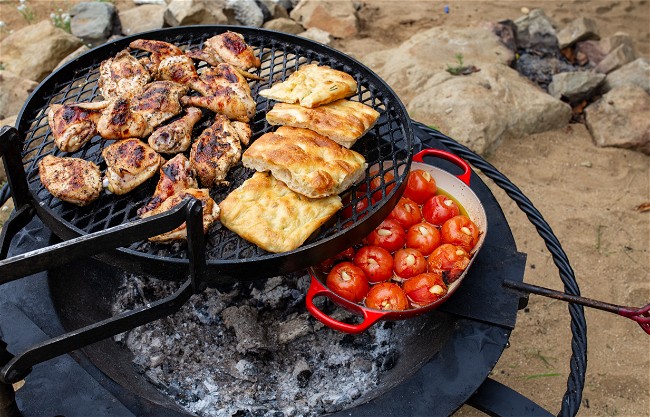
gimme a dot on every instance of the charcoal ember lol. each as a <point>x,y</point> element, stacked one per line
<point>251,335</point>
<point>302,372</point>
<point>388,361</point>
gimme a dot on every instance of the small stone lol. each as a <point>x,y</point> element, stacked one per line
<point>93,21</point>
<point>586,164</point>
<point>317,35</point>
<point>620,56</point>
<point>283,24</point>
<point>636,73</point>
<point>525,10</point>
<point>575,86</point>
<point>580,29</point>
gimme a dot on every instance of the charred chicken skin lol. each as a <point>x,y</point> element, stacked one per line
<point>215,151</point>
<point>138,117</point>
<point>159,51</point>
<point>211,213</point>
<point>73,125</point>
<point>71,179</point>
<point>229,47</point>
<point>175,175</point>
<point>176,136</point>
<point>129,163</point>
<point>122,76</point>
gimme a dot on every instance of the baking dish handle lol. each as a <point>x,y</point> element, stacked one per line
<point>448,156</point>
<point>370,317</point>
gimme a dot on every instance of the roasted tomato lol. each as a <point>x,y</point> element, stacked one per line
<point>376,262</point>
<point>449,260</point>
<point>439,209</point>
<point>460,231</point>
<point>425,288</point>
<point>387,296</point>
<point>424,237</point>
<point>409,263</point>
<point>406,212</point>
<point>376,185</point>
<point>389,235</point>
<point>359,206</point>
<point>348,281</point>
<point>420,186</point>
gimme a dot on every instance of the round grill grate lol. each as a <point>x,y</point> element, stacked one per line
<point>387,146</point>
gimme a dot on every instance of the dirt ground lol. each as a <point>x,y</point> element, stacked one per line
<point>589,196</point>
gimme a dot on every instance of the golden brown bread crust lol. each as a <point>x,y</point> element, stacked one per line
<point>343,121</point>
<point>267,213</point>
<point>308,163</point>
<point>312,86</point>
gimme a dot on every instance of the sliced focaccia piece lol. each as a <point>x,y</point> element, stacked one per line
<point>210,213</point>
<point>343,121</point>
<point>308,163</point>
<point>74,180</point>
<point>312,86</point>
<point>266,212</point>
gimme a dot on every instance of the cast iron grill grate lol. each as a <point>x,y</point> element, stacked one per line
<point>387,147</point>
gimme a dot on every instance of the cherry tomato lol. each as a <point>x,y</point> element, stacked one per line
<point>376,185</point>
<point>376,262</point>
<point>425,288</point>
<point>460,231</point>
<point>348,281</point>
<point>359,206</point>
<point>389,235</point>
<point>439,209</point>
<point>409,263</point>
<point>387,296</point>
<point>420,186</point>
<point>406,212</point>
<point>424,237</point>
<point>449,260</point>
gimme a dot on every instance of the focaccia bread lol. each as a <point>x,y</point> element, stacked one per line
<point>308,163</point>
<point>312,86</point>
<point>343,121</point>
<point>267,213</point>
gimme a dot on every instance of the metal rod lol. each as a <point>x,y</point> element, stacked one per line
<point>10,150</point>
<point>587,302</point>
<point>21,364</point>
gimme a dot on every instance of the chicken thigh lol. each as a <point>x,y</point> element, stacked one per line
<point>129,163</point>
<point>229,47</point>
<point>233,103</point>
<point>175,175</point>
<point>74,180</point>
<point>215,151</point>
<point>159,51</point>
<point>122,76</point>
<point>73,125</point>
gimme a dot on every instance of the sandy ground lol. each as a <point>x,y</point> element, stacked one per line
<point>588,195</point>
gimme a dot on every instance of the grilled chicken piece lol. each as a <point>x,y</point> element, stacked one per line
<point>215,151</point>
<point>244,131</point>
<point>159,51</point>
<point>73,125</point>
<point>138,117</point>
<point>229,47</point>
<point>122,76</point>
<point>210,213</point>
<point>223,75</point>
<point>176,136</point>
<point>233,103</point>
<point>129,163</point>
<point>175,175</point>
<point>74,180</point>
<point>180,69</point>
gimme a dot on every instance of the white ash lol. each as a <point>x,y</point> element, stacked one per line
<point>253,350</point>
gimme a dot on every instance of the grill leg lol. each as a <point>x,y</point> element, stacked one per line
<point>8,406</point>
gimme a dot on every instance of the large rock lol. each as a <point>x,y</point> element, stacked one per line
<point>14,90</point>
<point>620,56</point>
<point>195,12</point>
<point>143,18</point>
<point>283,24</point>
<point>427,54</point>
<point>536,31</point>
<point>482,109</point>
<point>93,21</point>
<point>245,12</point>
<point>576,86</point>
<point>336,17</point>
<point>620,119</point>
<point>636,73</point>
<point>34,51</point>
<point>580,29</point>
